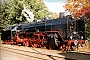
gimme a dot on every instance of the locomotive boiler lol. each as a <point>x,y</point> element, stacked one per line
<point>60,33</point>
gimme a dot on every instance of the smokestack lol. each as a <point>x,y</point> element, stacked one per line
<point>61,14</point>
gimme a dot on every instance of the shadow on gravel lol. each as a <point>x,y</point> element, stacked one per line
<point>46,55</point>
<point>76,55</point>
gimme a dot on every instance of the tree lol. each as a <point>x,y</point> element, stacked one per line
<point>11,10</point>
<point>79,7</point>
<point>73,5</point>
<point>83,12</point>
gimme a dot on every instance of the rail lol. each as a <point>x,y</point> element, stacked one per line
<point>13,50</point>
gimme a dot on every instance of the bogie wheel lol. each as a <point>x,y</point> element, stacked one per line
<point>43,46</point>
<point>51,47</point>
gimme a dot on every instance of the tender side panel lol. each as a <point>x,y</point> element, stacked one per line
<point>6,35</point>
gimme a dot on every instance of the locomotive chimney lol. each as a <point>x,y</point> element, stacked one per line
<point>61,14</point>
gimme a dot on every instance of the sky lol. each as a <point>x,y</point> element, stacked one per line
<point>55,5</point>
<point>1,1</point>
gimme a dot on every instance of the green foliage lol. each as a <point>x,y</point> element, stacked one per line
<point>38,7</point>
<point>11,11</point>
<point>88,29</point>
<point>88,39</point>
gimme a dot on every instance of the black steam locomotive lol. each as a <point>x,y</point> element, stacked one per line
<point>51,33</point>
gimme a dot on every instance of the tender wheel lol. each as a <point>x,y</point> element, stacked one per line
<point>51,47</point>
<point>27,44</point>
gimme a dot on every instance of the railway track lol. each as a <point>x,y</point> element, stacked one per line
<point>37,55</point>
